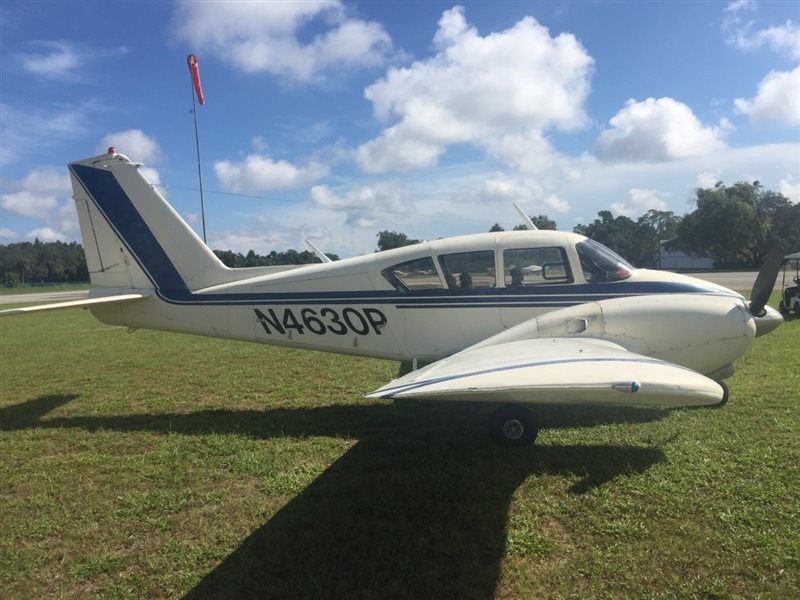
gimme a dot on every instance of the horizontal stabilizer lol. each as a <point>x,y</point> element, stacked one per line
<point>85,303</point>
<point>563,370</point>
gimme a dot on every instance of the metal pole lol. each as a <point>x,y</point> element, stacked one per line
<point>199,171</point>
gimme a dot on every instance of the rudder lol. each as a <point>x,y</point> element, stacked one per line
<point>132,236</point>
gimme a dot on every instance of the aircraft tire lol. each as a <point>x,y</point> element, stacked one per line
<point>514,426</point>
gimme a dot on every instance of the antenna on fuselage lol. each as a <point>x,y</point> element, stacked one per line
<point>320,254</point>
<point>525,218</point>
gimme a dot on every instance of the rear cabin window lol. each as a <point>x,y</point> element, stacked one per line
<point>525,267</point>
<point>468,270</point>
<point>414,275</point>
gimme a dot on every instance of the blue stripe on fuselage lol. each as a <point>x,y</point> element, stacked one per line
<point>542,296</point>
<point>122,216</point>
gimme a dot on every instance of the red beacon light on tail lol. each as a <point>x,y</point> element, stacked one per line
<point>112,150</point>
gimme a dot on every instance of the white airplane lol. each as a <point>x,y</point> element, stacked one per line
<point>585,327</point>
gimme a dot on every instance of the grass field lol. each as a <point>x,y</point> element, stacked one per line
<point>158,465</point>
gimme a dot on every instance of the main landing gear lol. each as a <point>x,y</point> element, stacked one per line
<point>514,426</point>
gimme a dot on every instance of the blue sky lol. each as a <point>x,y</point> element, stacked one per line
<point>330,121</point>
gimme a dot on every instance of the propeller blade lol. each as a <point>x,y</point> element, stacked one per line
<point>765,281</point>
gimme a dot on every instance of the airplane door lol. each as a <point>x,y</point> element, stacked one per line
<point>534,279</point>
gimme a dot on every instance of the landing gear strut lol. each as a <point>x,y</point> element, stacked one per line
<point>513,426</point>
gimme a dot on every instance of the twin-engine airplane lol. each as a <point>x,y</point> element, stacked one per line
<point>511,318</point>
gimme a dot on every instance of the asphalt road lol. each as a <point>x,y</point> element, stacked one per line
<point>741,281</point>
<point>45,297</point>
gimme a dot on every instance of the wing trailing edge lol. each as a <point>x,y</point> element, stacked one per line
<point>84,303</point>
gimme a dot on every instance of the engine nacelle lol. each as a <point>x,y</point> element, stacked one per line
<point>703,332</point>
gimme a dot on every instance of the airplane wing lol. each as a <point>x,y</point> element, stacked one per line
<point>84,303</point>
<point>563,370</point>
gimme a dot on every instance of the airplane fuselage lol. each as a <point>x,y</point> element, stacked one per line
<point>398,304</point>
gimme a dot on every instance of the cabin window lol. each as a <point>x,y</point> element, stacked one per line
<point>468,270</point>
<point>525,267</point>
<point>414,275</point>
<point>601,264</point>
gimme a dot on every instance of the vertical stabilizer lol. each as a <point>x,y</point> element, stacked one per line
<point>132,236</point>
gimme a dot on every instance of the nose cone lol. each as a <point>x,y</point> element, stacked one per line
<point>767,322</point>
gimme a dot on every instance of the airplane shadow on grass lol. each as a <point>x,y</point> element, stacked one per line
<point>417,508</point>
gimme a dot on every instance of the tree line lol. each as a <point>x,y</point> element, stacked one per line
<point>26,263</point>
<point>734,225</point>
<point>237,260</point>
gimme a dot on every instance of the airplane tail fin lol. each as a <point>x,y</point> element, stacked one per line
<point>132,237</point>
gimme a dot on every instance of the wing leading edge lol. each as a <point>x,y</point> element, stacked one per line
<point>563,370</point>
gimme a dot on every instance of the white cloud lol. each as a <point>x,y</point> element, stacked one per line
<point>45,234</point>
<point>453,201</point>
<point>639,202</point>
<point>529,193</point>
<point>26,130</point>
<point>365,206</point>
<point>38,194</point>
<point>268,235</point>
<point>60,60</point>
<point>8,235</point>
<point>271,36</point>
<point>789,188</point>
<point>706,181</point>
<point>259,174</point>
<point>478,90</point>
<point>783,39</point>
<point>28,204</point>
<point>657,130</point>
<point>778,99</point>
<point>154,177</point>
<point>45,195</point>
<point>395,150</point>
<point>259,144</point>
<point>133,143</point>
<point>529,152</point>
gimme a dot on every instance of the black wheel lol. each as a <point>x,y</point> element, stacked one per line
<point>513,426</point>
<point>782,309</point>
<point>797,309</point>
<point>725,393</point>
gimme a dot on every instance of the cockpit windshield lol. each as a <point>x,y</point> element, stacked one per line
<point>601,264</point>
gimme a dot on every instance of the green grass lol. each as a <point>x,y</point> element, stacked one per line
<point>160,465</point>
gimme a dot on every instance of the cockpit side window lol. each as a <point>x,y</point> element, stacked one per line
<point>601,264</point>
<point>525,267</point>
<point>414,275</point>
<point>468,270</point>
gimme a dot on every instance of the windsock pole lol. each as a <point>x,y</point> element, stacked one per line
<point>194,71</point>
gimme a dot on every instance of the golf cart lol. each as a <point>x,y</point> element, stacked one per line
<point>790,294</point>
